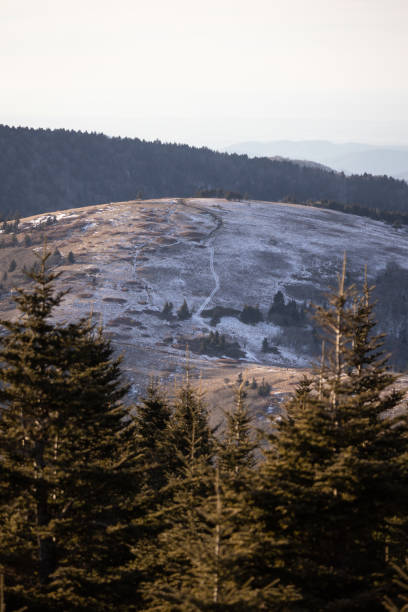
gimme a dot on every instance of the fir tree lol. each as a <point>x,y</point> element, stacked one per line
<point>183,312</point>
<point>401,581</point>
<point>103,485</point>
<point>67,463</point>
<point>55,258</point>
<point>278,305</point>
<point>237,448</point>
<point>250,315</point>
<point>213,540</point>
<point>167,310</point>
<point>187,452</point>
<point>151,422</point>
<point>334,475</point>
<point>188,433</point>
<point>264,388</point>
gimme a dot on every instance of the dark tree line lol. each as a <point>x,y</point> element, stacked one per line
<point>43,170</point>
<point>216,345</point>
<point>396,217</point>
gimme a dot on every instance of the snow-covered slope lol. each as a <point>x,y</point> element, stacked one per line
<point>132,257</point>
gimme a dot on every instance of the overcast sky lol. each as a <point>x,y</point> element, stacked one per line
<point>212,72</point>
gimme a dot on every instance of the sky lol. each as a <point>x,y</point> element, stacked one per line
<point>211,73</point>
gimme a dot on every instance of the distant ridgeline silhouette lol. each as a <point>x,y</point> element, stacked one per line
<point>44,170</point>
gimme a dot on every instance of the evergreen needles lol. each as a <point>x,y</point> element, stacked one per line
<point>334,474</point>
<point>149,508</point>
<point>67,465</point>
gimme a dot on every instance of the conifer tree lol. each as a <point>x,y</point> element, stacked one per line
<point>187,454</point>
<point>213,533</point>
<point>167,310</point>
<point>103,485</point>
<point>334,474</point>
<point>151,422</point>
<point>188,433</point>
<point>183,312</point>
<point>152,415</point>
<point>401,581</point>
<point>236,450</point>
<point>68,472</point>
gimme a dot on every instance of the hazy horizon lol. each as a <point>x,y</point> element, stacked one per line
<point>212,74</point>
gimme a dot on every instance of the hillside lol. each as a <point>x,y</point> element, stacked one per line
<point>134,264</point>
<point>47,170</point>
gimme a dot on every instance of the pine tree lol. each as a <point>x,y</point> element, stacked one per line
<point>66,460</point>
<point>334,474</point>
<point>401,580</point>
<point>250,315</point>
<point>213,540</point>
<point>183,312</point>
<point>210,548</point>
<point>167,310</point>
<point>188,432</point>
<point>278,306</point>
<point>103,484</point>
<point>264,388</point>
<point>236,452</point>
<point>151,422</point>
<point>187,454</point>
<point>55,258</point>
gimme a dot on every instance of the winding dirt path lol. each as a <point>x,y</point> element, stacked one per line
<point>210,243</point>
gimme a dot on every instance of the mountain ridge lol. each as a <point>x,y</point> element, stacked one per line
<point>46,170</point>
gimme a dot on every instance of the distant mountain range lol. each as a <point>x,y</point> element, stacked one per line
<point>351,158</point>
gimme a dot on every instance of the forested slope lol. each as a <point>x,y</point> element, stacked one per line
<point>46,170</point>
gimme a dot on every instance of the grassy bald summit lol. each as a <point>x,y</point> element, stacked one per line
<point>46,170</point>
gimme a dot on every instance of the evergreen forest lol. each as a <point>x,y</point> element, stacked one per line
<point>43,170</point>
<point>106,505</point>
